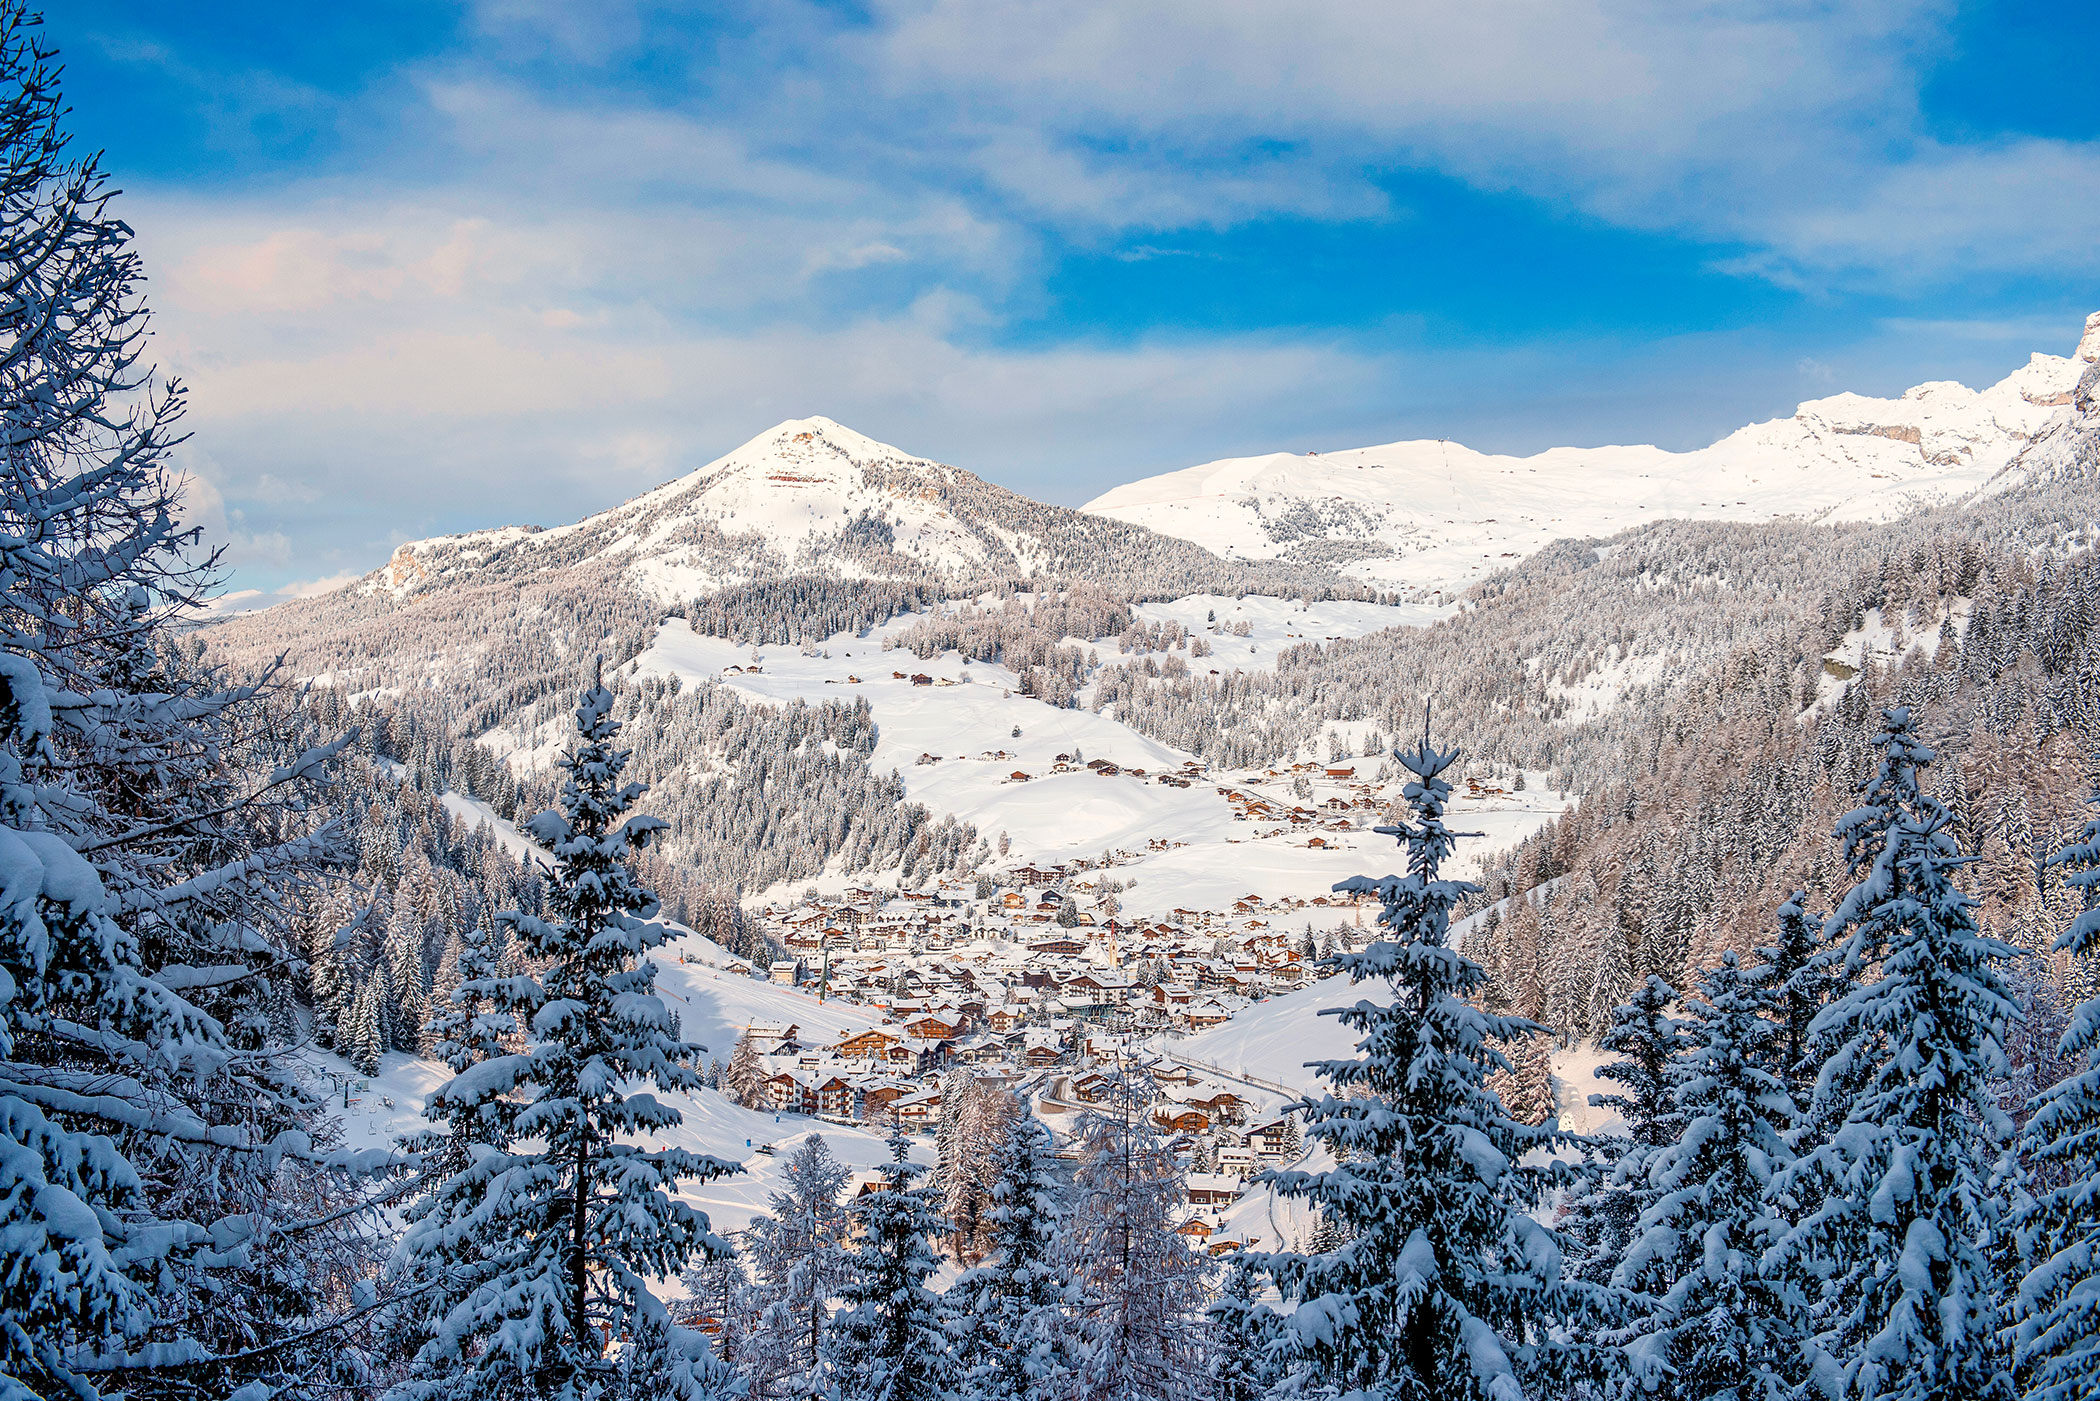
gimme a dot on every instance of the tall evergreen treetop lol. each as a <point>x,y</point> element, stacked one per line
<point>1906,1221</point>
<point>543,1242</point>
<point>1649,1043</point>
<point>1797,969</point>
<point>1602,1218</point>
<point>1443,1285</point>
<point>1719,1327</point>
<point>2058,1307</point>
<point>889,1344</point>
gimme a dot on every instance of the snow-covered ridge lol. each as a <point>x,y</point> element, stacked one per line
<point>1433,515</point>
<point>811,497</point>
<point>808,491</point>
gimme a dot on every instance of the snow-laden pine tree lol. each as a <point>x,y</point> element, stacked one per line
<point>167,1224</point>
<point>888,1343</point>
<point>1904,1222</point>
<point>2058,1307</point>
<point>1244,1365</point>
<point>1801,974</point>
<point>1010,1312</point>
<point>1137,1329</point>
<point>539,1249</point>
<point>1602,1217</point>
<point>1445,1287</point>
<point>798,1254</point>
<point>1713,1323</point>
<point>745,1078</point>
<point>479,1021</point>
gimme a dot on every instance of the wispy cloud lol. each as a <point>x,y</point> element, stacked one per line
<point>602,245</point>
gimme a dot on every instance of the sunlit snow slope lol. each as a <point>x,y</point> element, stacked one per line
<point>810,497</point>
<point>953,742</point>
<point>713,1007</point>
<point>1434,515</point>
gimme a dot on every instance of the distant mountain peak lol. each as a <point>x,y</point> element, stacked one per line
<point>1434,516</point>
<point>811,497</point>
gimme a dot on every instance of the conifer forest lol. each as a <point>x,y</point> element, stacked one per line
<point>830,927</point>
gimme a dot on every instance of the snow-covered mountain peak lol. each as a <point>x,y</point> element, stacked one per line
<point>809,494</point>
<point>1434,516</point>
<point>812,497</point>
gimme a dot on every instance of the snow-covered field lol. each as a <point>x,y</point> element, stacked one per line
<point>1213,860</point>
<point>1276,624</point>
<point>714,1006</point>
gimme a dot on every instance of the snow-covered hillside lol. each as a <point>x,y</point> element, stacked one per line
<point>967,743</point>
<point>811,497</point>
<point>1435,516</point>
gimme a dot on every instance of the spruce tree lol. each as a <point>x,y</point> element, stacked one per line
<point>1902,1236</point>
<point>1716,1326</point>
<point>2058,1306</point>
<point>167,1225</point>
<point>540,1247</point>
<point>1445,1286</point>
<point>1603,1216</point>
<point>888,1344</point>
<point>1010,1311</point>
<point>1798,972</point>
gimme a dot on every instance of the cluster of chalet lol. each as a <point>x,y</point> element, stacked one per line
<point>1223,1133</point>
<point>1334,799</point>
<point>1191,771</point>
<point>966,970</point>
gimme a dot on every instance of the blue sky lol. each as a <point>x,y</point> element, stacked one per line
<point>432,266</point>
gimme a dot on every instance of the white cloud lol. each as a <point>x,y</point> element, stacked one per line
<point>596,294</point>
<point>2006,206</point>
<point>1789,125</point>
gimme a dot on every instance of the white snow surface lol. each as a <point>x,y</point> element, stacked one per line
<point>1274,625</point>
<point>1058,816</point>
<point>476,813</point>
<point>1441,516</point>
<point>714,1006</point>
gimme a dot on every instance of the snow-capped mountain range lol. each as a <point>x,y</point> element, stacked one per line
<point>811,497</point>
<point>1434,516</point>
<point>1426,518</point>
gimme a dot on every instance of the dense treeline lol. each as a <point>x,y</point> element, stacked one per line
<point>1565,662</point>
<point>1717,817</point>
<point>756,794</point>
<point>1032,634</point>
<point>805,609</point>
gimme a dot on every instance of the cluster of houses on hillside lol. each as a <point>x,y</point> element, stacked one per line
<point>1038,945</point>
<point>1034,979</point>
<point>1223,1132</point>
